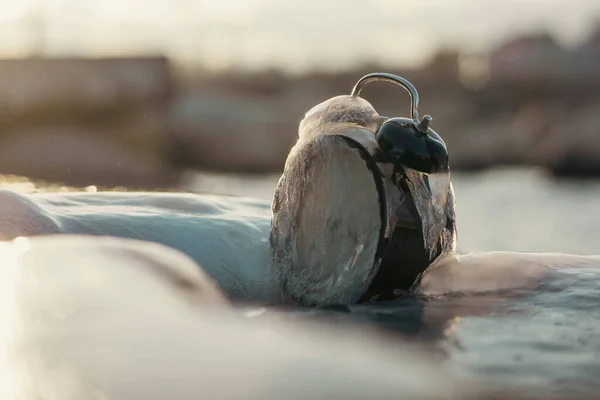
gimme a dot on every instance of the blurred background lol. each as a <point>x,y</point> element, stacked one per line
<point>206,95</point>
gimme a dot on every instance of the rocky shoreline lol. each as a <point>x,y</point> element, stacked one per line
<point>134,122</point>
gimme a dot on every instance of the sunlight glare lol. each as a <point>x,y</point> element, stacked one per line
<point>10,273</point>
<point>13,11</point>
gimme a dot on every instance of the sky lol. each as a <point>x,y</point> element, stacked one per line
<point>293,34</point>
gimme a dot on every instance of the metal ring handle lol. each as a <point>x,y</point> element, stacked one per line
<point>385,77</point>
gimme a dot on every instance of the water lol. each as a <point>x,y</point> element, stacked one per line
<point>544,342</point>
<point>509,209</point>
<point>547,340</point>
